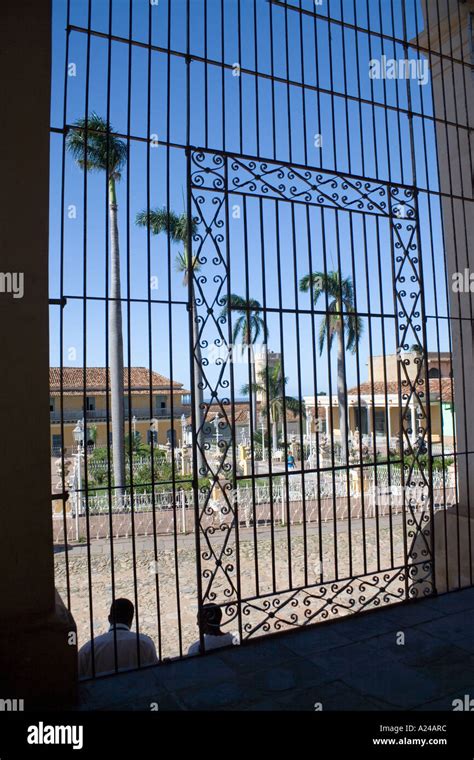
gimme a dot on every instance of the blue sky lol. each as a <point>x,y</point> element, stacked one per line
<point>371,141</point>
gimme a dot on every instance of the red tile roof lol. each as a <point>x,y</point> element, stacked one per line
<point>440,389</point>
<point>241,412</point>
<point>96,377</point>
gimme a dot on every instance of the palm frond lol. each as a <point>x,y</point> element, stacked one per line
<point>354,328</point>
<point>341,291</point>
<point>255,387</point>
<point>295,405</point>
<point>181,262</point>
<point>237,329</point>
<point>251,324</point>
<point>165,220</point>
<point>93,145</point>
<point>347,291</point>
<point>321,282</point>
<point>159,220</point>
<point>323,331</point>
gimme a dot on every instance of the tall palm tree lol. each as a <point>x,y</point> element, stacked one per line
<point>92,143</point>
<point>248,327</point>
<point>176,227</point>
<point>271,383</point>
<point>340,320</point>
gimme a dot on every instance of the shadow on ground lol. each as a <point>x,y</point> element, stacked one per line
<point>416,656</point>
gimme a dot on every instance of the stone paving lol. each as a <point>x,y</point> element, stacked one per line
<point>359,663</point>
<point>169,585</point>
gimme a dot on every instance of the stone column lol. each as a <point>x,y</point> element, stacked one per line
<point>37,651</point>
<point>453,94</point>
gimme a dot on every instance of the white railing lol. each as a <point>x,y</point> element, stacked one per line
<point>314,490</point>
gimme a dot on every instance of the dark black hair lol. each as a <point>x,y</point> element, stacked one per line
<point>211,615</point>
<point>121,611</point>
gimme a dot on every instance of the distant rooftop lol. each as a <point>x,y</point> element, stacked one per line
<point>97,381</point>
<point>441,388</point>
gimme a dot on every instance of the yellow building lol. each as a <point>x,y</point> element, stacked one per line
<point>374,406</point>
<point>153,405</point>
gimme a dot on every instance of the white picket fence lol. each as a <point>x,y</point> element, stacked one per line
<point>315,489</point>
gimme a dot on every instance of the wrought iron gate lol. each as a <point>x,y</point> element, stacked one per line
<point>291,437</point>
<point>216,181</point>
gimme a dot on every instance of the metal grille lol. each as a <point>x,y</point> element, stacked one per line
<point>261,389</point>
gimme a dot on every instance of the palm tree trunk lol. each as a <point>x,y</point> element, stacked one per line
<point>253,381</point>
<point>341,393</point>
<point>116,350</point>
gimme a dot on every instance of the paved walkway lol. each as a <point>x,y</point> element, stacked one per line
<point>416,656</point>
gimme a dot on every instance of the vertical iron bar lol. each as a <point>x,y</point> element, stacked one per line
<point>190,273</point>
<point>61,291</point>
<point>84,354</point>
<point>170,334</point>
<point>107,253</point>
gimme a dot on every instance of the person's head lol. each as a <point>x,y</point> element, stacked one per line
<point>121,611</point>
<point>210,619</point>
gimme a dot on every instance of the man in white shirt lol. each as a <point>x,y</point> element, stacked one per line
<point>120,619</point>
<point>214,638</point>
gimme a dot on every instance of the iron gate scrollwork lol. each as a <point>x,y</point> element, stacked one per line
<point>212,178</point>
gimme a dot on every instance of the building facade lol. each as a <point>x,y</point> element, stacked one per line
<point>85,396</point>
<point>374,406</point>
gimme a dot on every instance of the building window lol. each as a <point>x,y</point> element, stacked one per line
<point>152,435</point>
<point>160,403</point>
<point>434,372</point>
<point>380,421</point>
<point>51,404</point>
<point>91,436</point>
<point>90,404</point>
<point>57,443</point>
<point>361,419</point>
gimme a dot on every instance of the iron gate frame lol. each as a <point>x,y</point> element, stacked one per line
<point>416,576</point>
<point>212,176</point>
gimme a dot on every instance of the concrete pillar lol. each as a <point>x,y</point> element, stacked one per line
<point>453,94</point>
<point>369,419</point>
<point>37,651</point>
